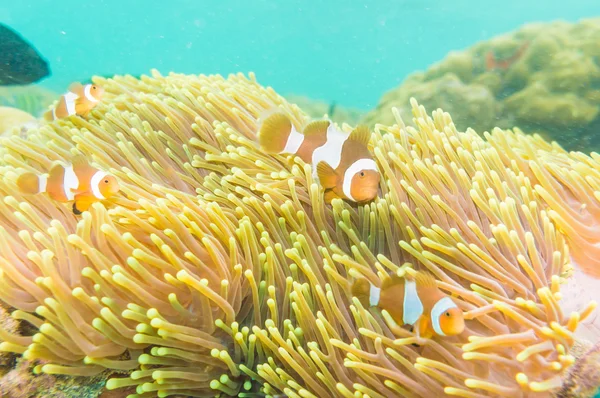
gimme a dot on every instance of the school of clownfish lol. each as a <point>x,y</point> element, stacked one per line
<point>78,182</point>
<point>341,162</point>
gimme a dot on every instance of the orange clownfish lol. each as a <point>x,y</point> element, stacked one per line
<point>78,182</point>
<point>79,100</point>
<point>419,303</point>
<point>492,63</point>
<point>341,161</point>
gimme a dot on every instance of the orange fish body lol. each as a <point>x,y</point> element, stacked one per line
<point>79,100</point>
<point>492,63</point>
<point>78,182</point>
<point>419,303</point>
<point>342,162</point>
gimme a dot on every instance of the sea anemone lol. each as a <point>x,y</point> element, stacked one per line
<point>13,117</point>
<point>221,269</point>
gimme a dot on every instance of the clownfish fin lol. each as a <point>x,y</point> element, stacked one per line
<point>48,115</point>
<point>425,279</point>
<point>390,281</point>
<point>422,328</point>
<point>326,174</point>
<point>76,211</point>
<point>318,127</point>
<point>79,163</point>
<point>274,132</point>
<point>30,183</point>
<point>81,107</point>
<point>361,289</point>
<point>416,329</point>
<point>360,134</point>
<point>81,205</point>
<point>76,88</point>
<point>329,196</point>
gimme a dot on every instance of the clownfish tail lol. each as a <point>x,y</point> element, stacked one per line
<point>29,183</point>
<point>274,133</point>
<point>361,289</point>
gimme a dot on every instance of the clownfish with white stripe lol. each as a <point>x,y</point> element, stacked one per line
<point>78,100</point>
<point>418,302</point>
<point>78,182</point>
<point>341,161</point>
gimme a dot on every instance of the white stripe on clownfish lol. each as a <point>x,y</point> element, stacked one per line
<point>360,164</point>
<point>88,93</point>
<point>294,141</point>
<point>95,184</point>
<point>43,182</point>
<point>70,99</point>
<point>412,307</point>
<point>438,309</point>
<point>70,182</point>
<point>374,294</point>
<point>331,151</point>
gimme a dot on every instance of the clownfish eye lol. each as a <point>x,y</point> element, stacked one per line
<point>447,314</point>
<point>94,87</point>
<point>106,181</point>
<point>362,173</point>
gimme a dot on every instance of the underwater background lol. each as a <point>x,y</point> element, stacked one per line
<point>338,57</point>
<point>482,188</point>
<point>349,52</point>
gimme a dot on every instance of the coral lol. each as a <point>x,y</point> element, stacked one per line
<point>221,270</point>
<point>317,109</point>
<point>17,379</point>
<point>11,326</point>
<point>21,382</point>
<point>546,81</point>
<point>476,107</point>
<point>584,377</point>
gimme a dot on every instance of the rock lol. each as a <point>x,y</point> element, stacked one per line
<point>544,79</point>
<point>11,326</point>
<point>584,376</point>
<point>470,105</point>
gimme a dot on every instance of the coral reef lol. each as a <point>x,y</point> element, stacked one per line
<point>21,382</point>
<point>543,78</point>
<point>221,270</point>
<point>11,326</point>
<point>317,109</point>
<point>17,379</point>
<point>584,377</point>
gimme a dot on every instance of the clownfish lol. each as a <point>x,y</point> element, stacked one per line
<point>78,100</point>
<point>78,182</point>
<point>419,303</point>
<point>342,162</point>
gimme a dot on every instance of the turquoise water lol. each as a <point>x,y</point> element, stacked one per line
<point>344,51</point>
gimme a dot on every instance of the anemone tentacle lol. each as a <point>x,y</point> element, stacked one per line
<point>220,269</point>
